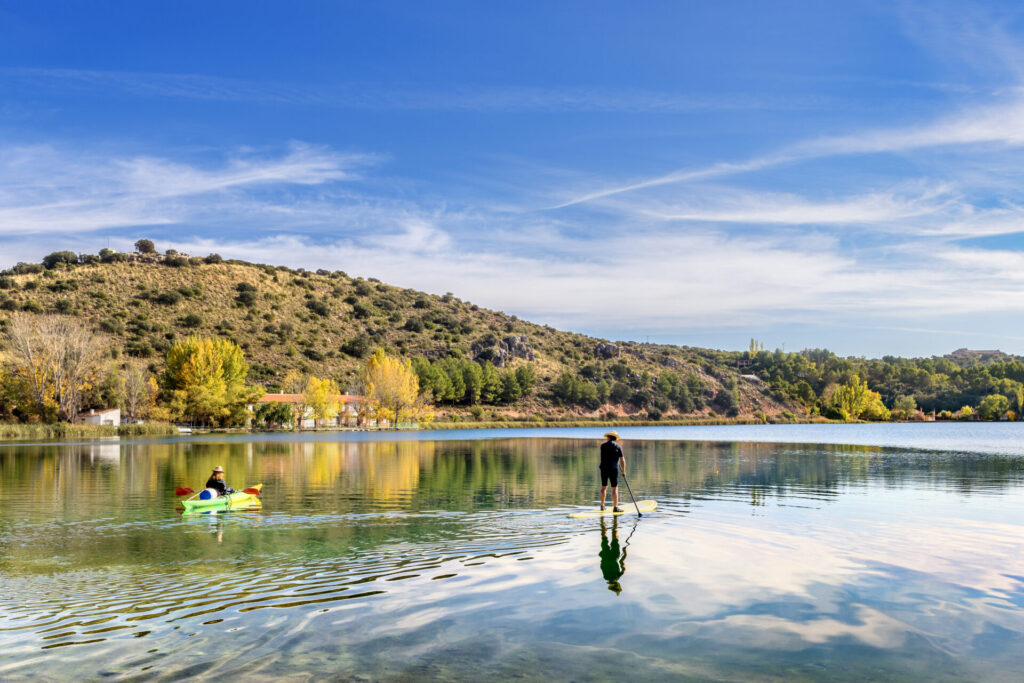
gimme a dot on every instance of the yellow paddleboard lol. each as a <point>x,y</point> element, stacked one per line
<point>641,506</point>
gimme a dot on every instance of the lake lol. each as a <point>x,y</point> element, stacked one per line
<point>838,552</point>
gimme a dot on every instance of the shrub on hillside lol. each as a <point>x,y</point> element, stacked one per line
<point>313,355</point>
<point>362,311</point>
<point>6,283</point>
<point>213,258</point>
<point>145,247</point>
<point>169,298</point>
<point>112,326</point>
<point>357,347</point>
<point>111,256</point>
<point>192,320</point>
<point>246,298</point>
<point>62,286</point>
<point>319,307</point>
<point>31,306</point>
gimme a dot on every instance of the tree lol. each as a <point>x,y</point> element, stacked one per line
<point>510,389</point>
<point>392,388</point>
<point>993,406</point>
<point>853,400</point>
<point>904,406</point>
<point>684,402</point>
<point>322,396</point>
<point>140,392</point>
<point>57,361</point>
<point>51,261</point>
<point>727,401</point>
<point>526,376</point>
<point>206,380</point>
<point>490,385</point>
<point>274,414</point>
<point>145,247</point>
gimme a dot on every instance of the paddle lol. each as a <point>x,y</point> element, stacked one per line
<point>182,491</point>
<point>638,513</point>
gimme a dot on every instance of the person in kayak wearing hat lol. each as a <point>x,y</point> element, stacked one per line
<point>612,460</point>
<point>217,483</point>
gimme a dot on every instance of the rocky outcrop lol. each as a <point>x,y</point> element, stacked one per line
<point>607,351</point>
<point>503,351</point>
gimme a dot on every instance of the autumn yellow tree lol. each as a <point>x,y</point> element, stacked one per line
<point>392,389</point>
<point>323,398</point>
<point>55,362</point>
<point>206,381</point>
<point>139,391</point>
<point>295,382</point>
<point>854,400</point>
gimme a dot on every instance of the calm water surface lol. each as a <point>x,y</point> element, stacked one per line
<point>415,559</point>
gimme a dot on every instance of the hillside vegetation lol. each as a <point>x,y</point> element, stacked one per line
<point>327,323</point>
<point>474,361</point>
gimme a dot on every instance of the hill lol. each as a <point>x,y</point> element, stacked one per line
<point>325,323</point>
<point>476,361</point>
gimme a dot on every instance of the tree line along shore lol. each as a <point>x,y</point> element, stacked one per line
<point>175,338</point>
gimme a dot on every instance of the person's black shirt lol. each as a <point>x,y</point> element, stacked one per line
<point>610,454</point>
<point>218,485</point>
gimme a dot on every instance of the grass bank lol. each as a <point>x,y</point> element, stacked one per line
<point>527,424</point>
<point>63,430</point>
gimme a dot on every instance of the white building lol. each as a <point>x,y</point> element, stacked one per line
<point>110,416</point>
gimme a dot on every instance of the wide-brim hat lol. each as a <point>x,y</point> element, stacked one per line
<point>218,468</point>
<point>612,435</point>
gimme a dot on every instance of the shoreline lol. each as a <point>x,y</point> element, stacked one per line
<point>14,433</point>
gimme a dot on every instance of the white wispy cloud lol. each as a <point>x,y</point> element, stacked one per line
<point>643,273</point>
<point>735,205</point>
<point>47,189</point>
<point>1000,124</point>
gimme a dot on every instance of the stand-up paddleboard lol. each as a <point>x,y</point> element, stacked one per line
<point>630,509</point>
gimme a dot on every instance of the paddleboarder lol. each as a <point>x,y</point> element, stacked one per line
<point>217,483</point>
<point>612,460</point>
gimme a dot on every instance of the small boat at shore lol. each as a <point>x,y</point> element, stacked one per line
<point>246,498</point>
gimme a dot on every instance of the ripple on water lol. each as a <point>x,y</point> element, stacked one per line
<point>61,607</point>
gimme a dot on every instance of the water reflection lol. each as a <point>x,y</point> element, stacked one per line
<point>443,559</point>
<point>613,560</point>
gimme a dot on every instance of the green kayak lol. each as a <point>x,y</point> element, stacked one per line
<point>238,499</point>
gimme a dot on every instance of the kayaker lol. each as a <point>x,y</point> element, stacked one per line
<point>217,483</point>
<point>612,460</point>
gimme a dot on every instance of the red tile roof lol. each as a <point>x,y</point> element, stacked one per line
<point>297,398</point>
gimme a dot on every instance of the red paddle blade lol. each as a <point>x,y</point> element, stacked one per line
<point>254,492</point>
<point>182,491</point>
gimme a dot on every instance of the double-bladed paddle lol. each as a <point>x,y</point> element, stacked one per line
<point>182,491</point>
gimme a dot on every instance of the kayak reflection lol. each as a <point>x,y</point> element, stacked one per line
<point>613,558</point>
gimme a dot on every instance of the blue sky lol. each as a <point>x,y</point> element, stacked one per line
<point>839,175</point>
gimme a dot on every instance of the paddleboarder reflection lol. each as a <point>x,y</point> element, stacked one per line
<point>613,558</point>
